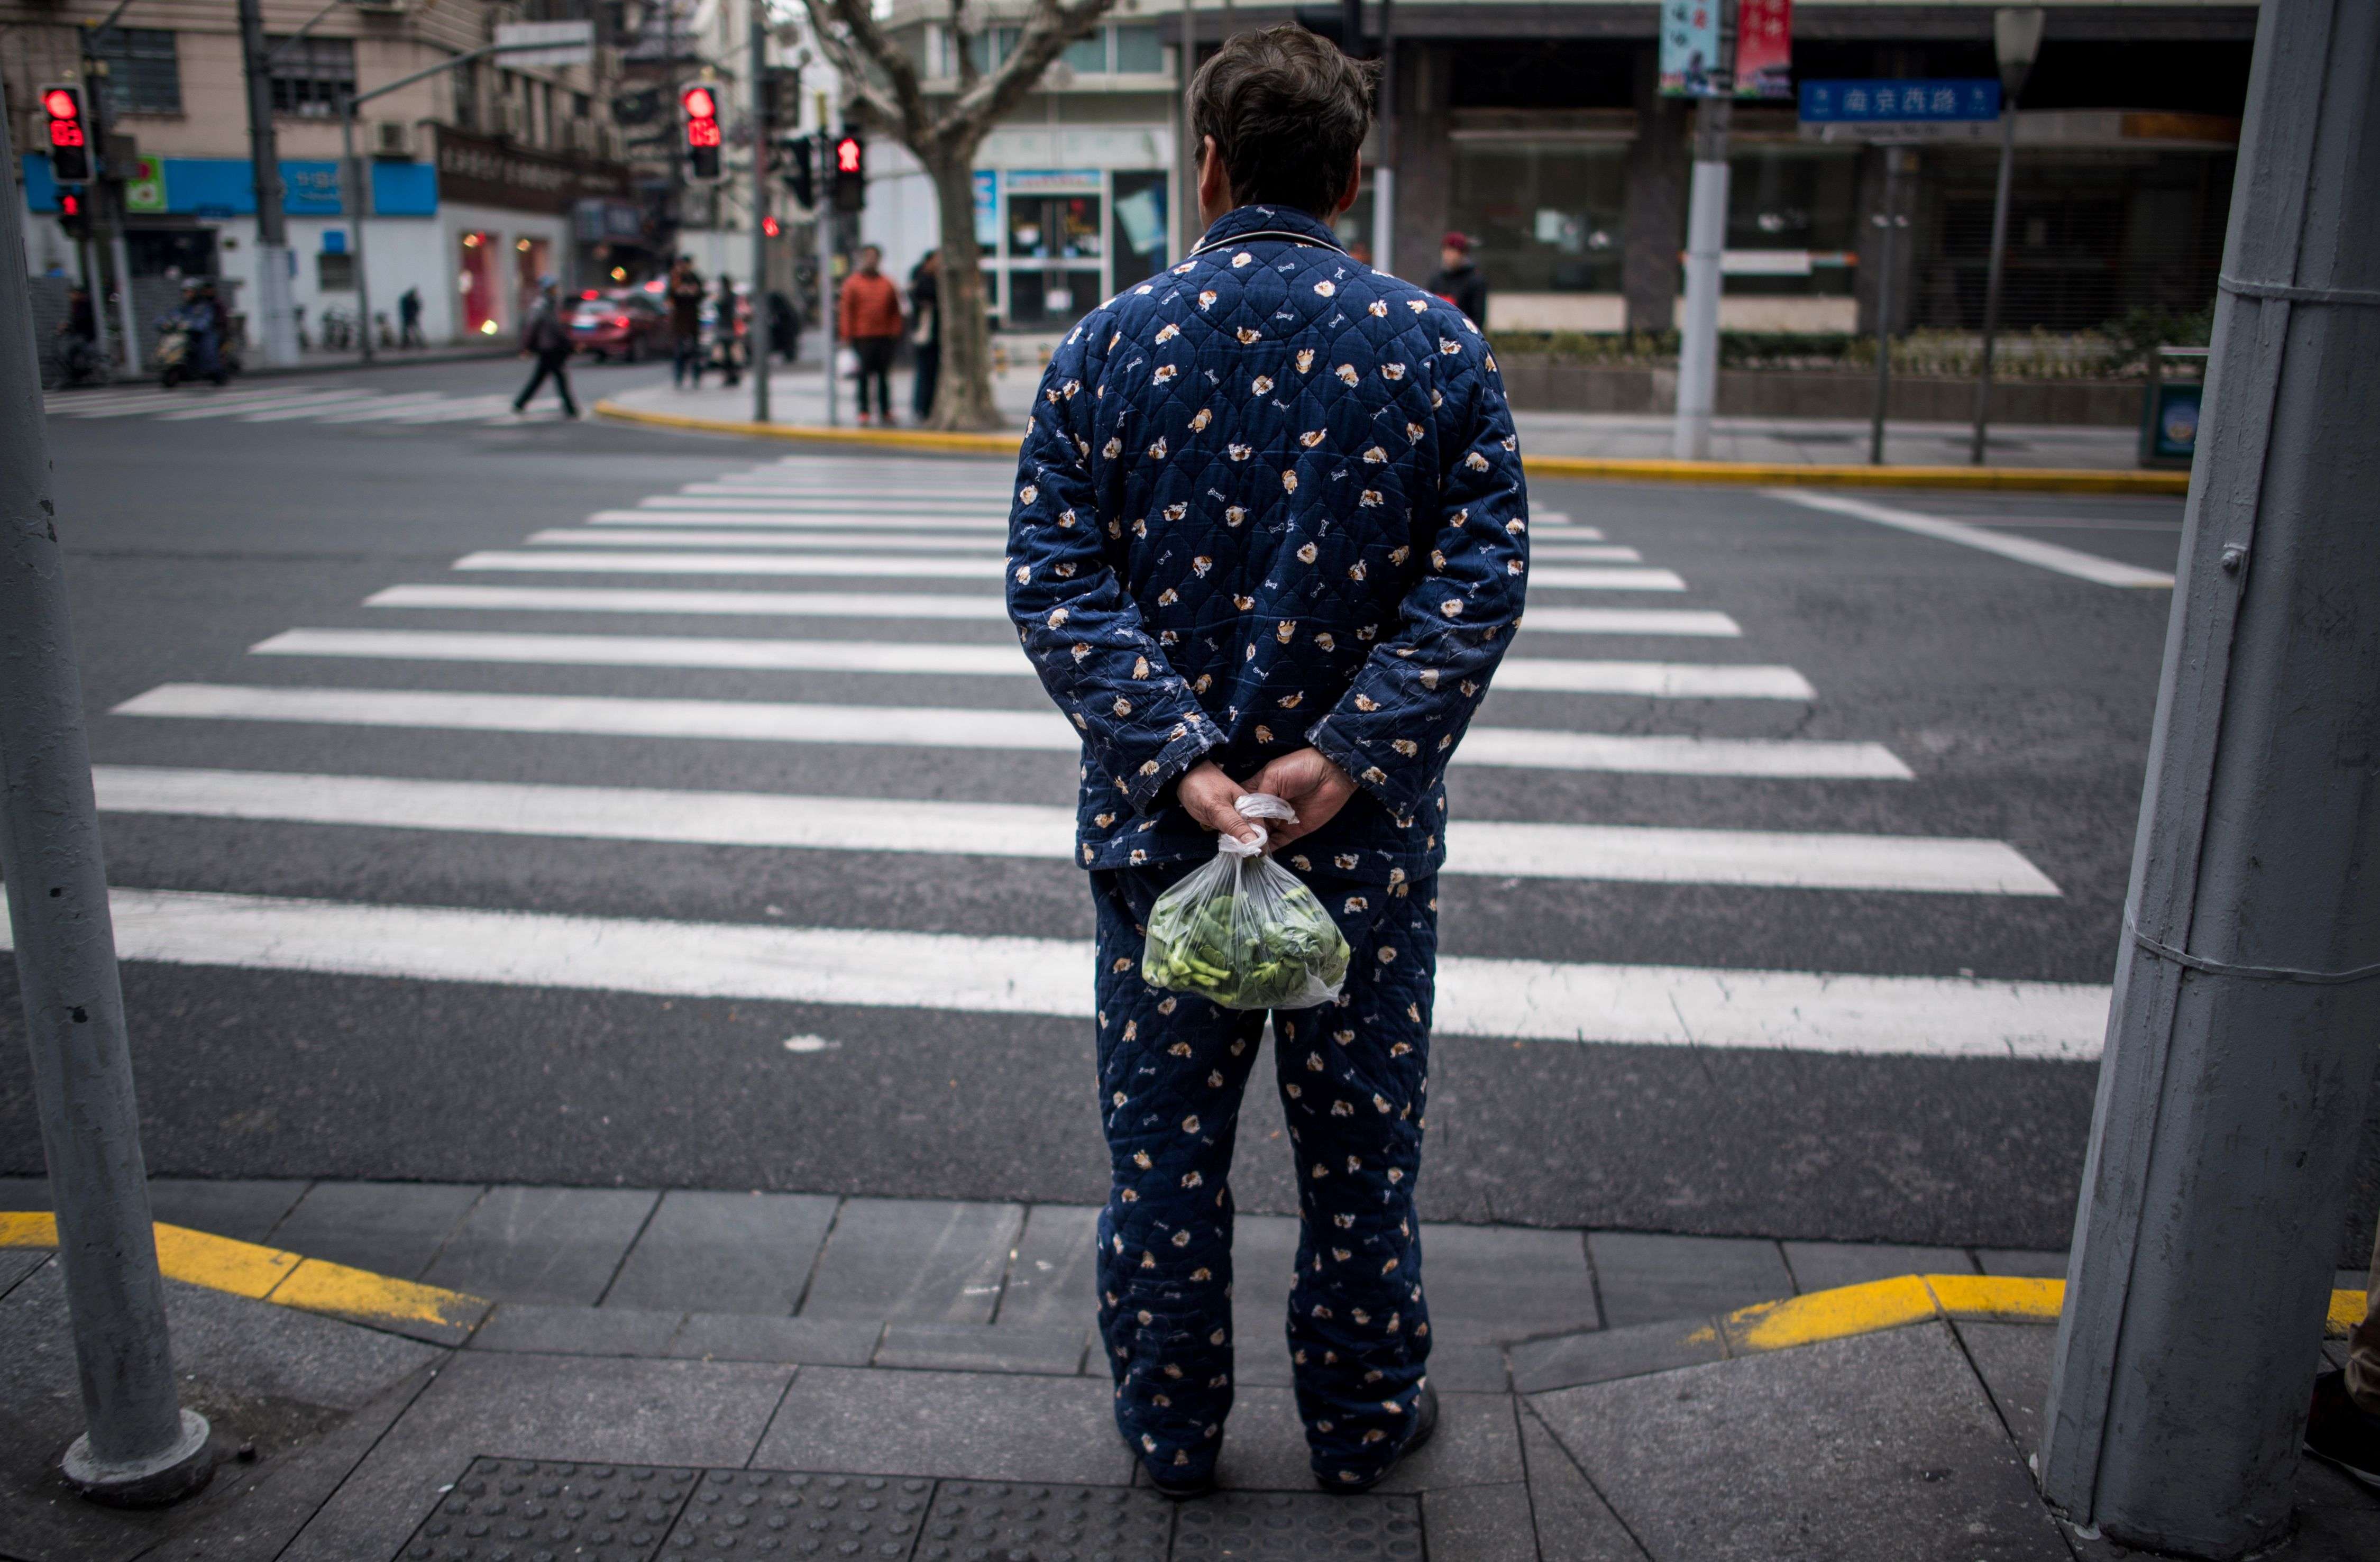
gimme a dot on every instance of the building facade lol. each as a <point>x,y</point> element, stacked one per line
<point>1537,130</point>
<point>480,179</point>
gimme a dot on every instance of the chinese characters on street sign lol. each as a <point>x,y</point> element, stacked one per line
<point>1887,102</point>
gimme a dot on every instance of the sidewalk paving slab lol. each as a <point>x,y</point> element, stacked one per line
<point>1574,1523</point>
<point>2023,1261</point>
<point>543,1244</point>
<point>1304,1526</point>
<point>680,1415</point>
<point>1643,1277</point>
<point>1492,1523</point>
<point>966,1425</point>
<point>1570,1361</point>
<point>1456,1367</point>
<point>1264,1266</point>
<point>1051,1351</point>
<point>577,1331</point>
<point>1824,1266</point>
<point>17,1263</point>
<point>1054,1277</point>
<point>1844,1450</point>
<point>247,1209</point>
<point>725,1252</point>
<point>748,1337</point>
<point>732,1514</point>
<point>987,1518</point>
<point>388,1227</point>
<point>914,1261</point>
<point>1503,1283</point>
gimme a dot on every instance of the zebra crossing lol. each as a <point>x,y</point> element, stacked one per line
<point>289,401</point>
<point>771,549</point>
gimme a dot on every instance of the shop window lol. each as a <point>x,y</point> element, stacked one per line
<point>310,74</point>
<point>1139,51</point>
<point>1802,205</point>
<point>145,73</point>
<point>475,279</point>
<point>1544,217</point>
<point>1138,243</point>
<point>334,272</point>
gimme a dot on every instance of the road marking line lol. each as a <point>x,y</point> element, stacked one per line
<point>472,407</point>
<point>822,520</point>
<point>986,496</point>
<point>1677,680</point>
<point>227,407</point>
<point>1607,579</point>
<point>1594,554</point>
<point>986,570</point>
<point>563,536</point>
<point>932,727</point>
<point>1632,621</point>
<point>1484,848</point>
<point>387,406</point>
<point>762,605</point>
<point>329,405</point>
<point>134,401</point>
<point>2024,550</point>
<point>1656,1006</point>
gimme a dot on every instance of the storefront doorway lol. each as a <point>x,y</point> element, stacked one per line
<point>476,281</point>
<point>532,257</point>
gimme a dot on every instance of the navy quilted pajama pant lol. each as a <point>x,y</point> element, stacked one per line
<point>1352,1074</point>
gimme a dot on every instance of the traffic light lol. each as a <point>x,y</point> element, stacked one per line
<point>770,227</point>
<point>69,139</point>
<point>850,172</point>
<point>781,97</point>
<point>702,105</point>
<point>74,216</point>
<point>801,171</point>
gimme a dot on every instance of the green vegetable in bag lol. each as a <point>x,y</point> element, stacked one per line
<point>1243,932</point>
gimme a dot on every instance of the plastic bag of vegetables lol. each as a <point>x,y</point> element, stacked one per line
<point>1243,930</point>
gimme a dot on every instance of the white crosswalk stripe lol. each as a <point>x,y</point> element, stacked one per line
<point>1658,679</point>
<point>767,721</point>
<point>1639,854</point>
<point>289,401</point>
<point>1655,1006</point>
<point>781,539</point>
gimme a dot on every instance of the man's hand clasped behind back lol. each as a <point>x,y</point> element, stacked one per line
<point>1306,780</point>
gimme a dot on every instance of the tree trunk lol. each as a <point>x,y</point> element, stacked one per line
<point>963,394</point>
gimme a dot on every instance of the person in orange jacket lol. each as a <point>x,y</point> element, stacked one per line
<point>869,319</point>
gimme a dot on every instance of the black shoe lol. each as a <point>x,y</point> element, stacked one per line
<point>2342,1433</point>
<point>1425,1423</point>
<point>1180,1491</point>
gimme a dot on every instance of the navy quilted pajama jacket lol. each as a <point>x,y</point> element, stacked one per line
<point>1270,498</point>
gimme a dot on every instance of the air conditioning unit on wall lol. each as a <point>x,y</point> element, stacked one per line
<point>392,138</point>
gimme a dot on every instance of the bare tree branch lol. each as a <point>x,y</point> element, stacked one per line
<point>1050,27</point>
<point>969,71</point>
<point>873,104</point>
<point>861,35</point>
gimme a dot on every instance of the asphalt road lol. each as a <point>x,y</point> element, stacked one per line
<point>2016,698</point>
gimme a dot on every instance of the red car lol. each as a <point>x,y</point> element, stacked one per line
<point>626,323</point>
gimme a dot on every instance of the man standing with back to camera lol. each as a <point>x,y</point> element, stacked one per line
<point>1268,534</point>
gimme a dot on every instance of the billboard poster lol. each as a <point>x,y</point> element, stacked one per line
<point>1690,61</point>
<point>1764,49</point>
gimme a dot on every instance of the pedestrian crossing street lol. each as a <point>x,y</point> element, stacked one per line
<point>772,548</point>
<point>285,401</point>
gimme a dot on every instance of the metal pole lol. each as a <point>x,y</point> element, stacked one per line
<point>2239,1050</point>
<point>756,340</point>
<point>1185,157</point>
<point>93,249</point>
<point>1384,174</point>
<point>826,259</point>
<point>1891,222</point>
<point>1992,279</point>
<point>359,206</point>
<point>279,340</point>
<point>139,1445</point>
<point>1689,438</point>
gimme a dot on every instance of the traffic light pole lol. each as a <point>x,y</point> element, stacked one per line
<point>756,337</point>
<point>2240,1056</point>
<point>273,304</point>
<point>826,286</point>
<point>139,1445</point>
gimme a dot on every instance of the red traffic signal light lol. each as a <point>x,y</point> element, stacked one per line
<point>770,227</point>
<point>702,138</point>
<point>69,144</point>
<point>847,155</point>
<point>850,172</point>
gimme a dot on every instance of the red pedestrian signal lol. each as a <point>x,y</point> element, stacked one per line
<point>71,216</point>
<point>702,136</point>
<point>850,172</point>
<point>69,141</point>
<point>770,227</point>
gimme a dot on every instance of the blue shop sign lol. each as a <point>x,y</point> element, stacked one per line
<point>224,187</point>
<point>1897,101</point>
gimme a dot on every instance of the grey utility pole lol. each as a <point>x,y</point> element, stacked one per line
<point>1689,438</point>
<point>274,301</point>
<point>764,122</point>
<point>139,1445</point>
<point>1384,173</point>
<point>1889,221</point>
<point>2016,37</point>
<point>2241,1049</point>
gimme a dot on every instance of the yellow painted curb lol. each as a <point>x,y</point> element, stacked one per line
<point>2032,479</point>
<point>283,1278</point>
<point>1916,1299</point>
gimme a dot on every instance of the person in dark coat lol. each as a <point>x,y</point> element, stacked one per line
<point>408,318</point>
<point>926,332</point>
<point>1269,535</point>
<point>547,339</point>
<point>725,333</point>
<point>686,322</point>
<point>1458,281</point>
<point>784,328</point>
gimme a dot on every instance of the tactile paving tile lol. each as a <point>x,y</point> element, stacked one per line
<point>1298,1527</point>
<point>735,1513</point>
<point>995,1521</point>
<point>525,1511</point>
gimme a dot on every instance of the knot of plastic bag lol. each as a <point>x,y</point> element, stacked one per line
<point>1254,806</point>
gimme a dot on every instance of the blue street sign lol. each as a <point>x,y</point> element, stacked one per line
<point>1893,102</point>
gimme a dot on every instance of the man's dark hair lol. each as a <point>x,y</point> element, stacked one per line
<point>1288,112</point>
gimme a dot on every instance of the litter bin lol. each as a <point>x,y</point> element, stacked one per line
<point>2170,410</point>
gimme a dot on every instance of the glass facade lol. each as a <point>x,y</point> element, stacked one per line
<point>1545,216</point>
<point>1801,203</point>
